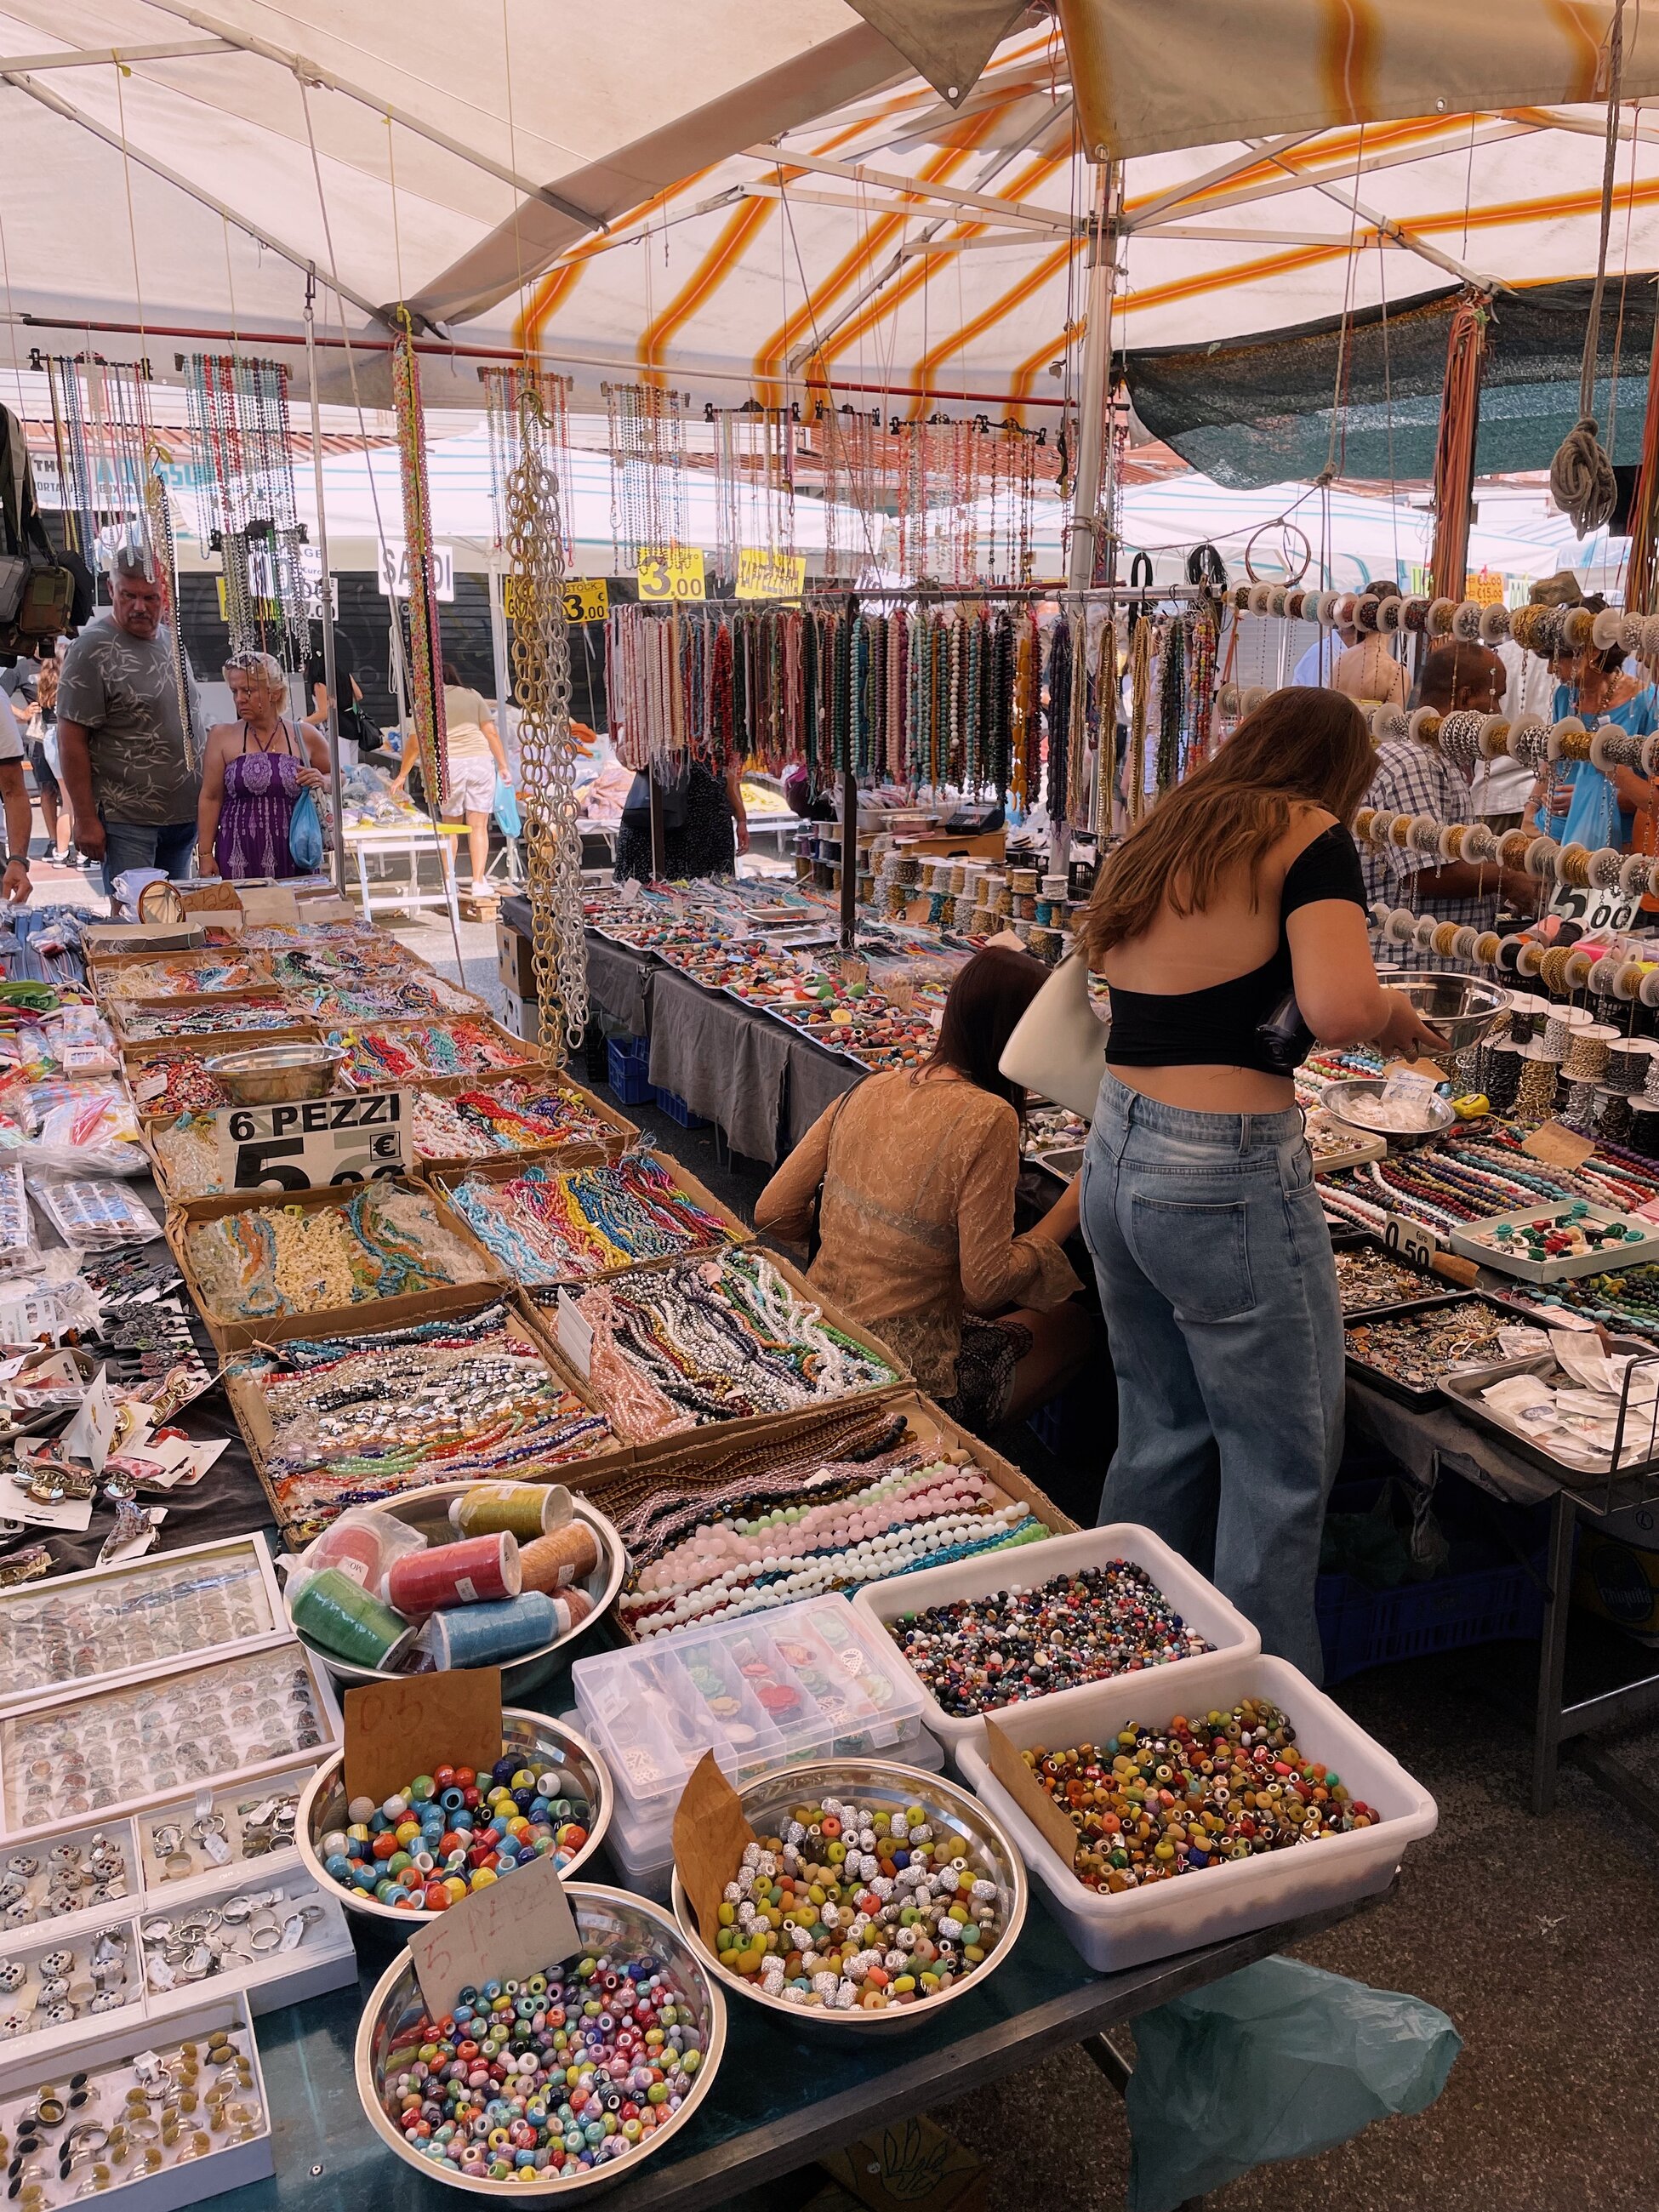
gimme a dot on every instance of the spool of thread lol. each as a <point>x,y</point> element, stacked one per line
<point>343,1618</point>
<point>523,1510</point>
<point>485,1634</point>
<point>474,1571</point>
<point>352,1547</point>
<point>554,1562</point>
<point>1629,1061</point>
<point>1501,1077</point>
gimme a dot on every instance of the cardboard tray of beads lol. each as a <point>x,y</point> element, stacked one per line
<point>161,2166</point>
<point>723,1434</point>
<point>1419,1396</point>
<point>1201,1607</point>
<point>401,1311</point>
<point>1401,1286</point>
<point>253,1416</point>
<point>517,1052</point>
<point>1629,1242</point>
<point>1231,1896</point>
<point>136,1058</point>
<point>505,1169</point>
<point>579,1151</point>
<point>703,1465</point>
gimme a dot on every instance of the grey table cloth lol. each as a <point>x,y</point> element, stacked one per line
<point>728,1064</point>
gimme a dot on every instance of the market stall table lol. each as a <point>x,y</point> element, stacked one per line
<point>409,842</point>
<point>780,2100</point>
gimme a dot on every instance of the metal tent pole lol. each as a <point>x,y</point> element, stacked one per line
<point>1092,440</point>
<point>326,602</point>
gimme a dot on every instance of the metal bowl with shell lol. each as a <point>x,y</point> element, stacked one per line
<point>772,1801</point>
<point>428,1510</point>
<point>544,1744</point>
<point>1459,1008</point>
<point>278,1074</point>
<point>611,1923</point>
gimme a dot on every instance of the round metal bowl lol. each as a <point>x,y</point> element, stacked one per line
<point>1346,1103</point>
<point>1464,1010</point>
<point>393,2024</point>
<point>766,1803</point>
<point>544,1742</point>
<point>428,1511</point>
<point>278,1074</point>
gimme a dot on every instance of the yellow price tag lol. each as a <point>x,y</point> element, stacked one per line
<point>586,599</point>
<point>764,574</point>
<point>673,576</point>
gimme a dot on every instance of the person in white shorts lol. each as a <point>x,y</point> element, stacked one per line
<point>476,757</point>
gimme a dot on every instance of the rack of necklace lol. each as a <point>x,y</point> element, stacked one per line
<point>353,1421</point>
<point>732,1339</point>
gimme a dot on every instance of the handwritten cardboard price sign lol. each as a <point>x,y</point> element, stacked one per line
<point>395,1730</point>
<point>522,1925</point>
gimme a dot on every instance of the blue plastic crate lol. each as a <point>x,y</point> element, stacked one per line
<point>628,1063</point>
<point>677,1110</point>
<point>1488,1595</point>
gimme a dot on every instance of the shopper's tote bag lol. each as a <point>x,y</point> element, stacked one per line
<point>1059,1049</point>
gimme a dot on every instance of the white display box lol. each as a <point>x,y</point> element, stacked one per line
<point>131,1600</point>
<point>1137,1925</point>
<point>1027,1567</point>
<point>234,2166</point>
<point>46,1733</point>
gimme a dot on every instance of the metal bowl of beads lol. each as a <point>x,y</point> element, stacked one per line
<point>278,1074</point>
<point>428,1511</point>
<point>770,1803</point>
<point>544,1744</point>
<point>619,1930</point>
<point>1464,1010</point>
<point>1359,1102</point>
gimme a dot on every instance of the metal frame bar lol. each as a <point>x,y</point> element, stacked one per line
<point>1142,217</point>
<point>1295,181</point>
<point>172,50</point>
<point>889,181</point>
<point>56,104</point>
<point>760,189</point>
<point>313,73</point>
<point>1201,234</point>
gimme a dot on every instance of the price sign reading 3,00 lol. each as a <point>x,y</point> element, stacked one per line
<point>306,1144</point>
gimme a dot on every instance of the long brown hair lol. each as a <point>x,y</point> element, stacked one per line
<point>1298,746</point>
<point>981,1011</point>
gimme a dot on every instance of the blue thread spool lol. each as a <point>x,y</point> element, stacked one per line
<point>484,1634</point>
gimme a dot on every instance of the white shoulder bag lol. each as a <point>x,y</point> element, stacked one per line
<point>1059,1049</point>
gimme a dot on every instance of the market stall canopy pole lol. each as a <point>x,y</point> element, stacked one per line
<point>1281,65</point>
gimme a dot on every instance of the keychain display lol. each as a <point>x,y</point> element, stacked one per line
<point>19,1244</point>
<point>207,1832</point>
<point>66,1874</point>
<point>94,1213</point>
<point>51,1983</point>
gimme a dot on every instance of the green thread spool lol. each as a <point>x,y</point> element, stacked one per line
<point>524,1509</point>
<point>348,1620</point>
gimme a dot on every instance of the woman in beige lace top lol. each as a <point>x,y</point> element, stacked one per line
<point>918,1171</point>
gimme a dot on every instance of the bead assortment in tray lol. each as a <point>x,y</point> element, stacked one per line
<point>1371,1281</point>
<point>114,1620</point>
<point>1408,1356</point>
<point>66,1758</point>
<point>136,2108</point>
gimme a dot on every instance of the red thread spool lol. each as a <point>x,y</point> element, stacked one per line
<point>448,1575</point>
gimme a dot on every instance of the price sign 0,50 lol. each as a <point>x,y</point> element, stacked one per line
<point>675,575</point>
<point>1410,1239</point>
<point>307,1144</point>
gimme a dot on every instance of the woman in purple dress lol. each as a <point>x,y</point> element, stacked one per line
<point>253,772</point>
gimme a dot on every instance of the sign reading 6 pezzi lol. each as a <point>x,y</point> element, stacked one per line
<point>306,1144</point>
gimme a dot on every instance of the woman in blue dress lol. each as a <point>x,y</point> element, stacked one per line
<point>1573,801</point>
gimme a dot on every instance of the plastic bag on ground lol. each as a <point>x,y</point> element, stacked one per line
<point>1277,2060</point>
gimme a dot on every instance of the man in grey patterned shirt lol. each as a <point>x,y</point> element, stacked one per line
<point>121,735</point>
<point>1415,779</point>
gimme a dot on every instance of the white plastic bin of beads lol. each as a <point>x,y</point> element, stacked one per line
<point>1027,1567</point>
<point>1136,1925</point>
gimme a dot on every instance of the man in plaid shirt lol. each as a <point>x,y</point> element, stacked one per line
<point>1414,779</point>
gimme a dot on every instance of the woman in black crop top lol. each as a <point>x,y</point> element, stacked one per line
<point>1231,929</point>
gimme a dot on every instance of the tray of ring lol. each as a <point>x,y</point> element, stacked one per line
<point>1636,1443</point>
<point>1397,1286</point>
<point>1485,1317</point>
<point>269,1940</point>
<point>150,2121</point>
